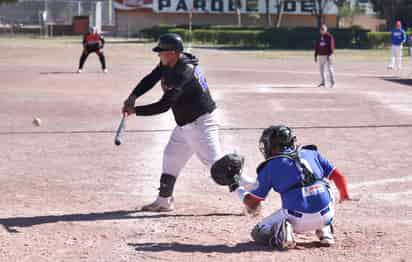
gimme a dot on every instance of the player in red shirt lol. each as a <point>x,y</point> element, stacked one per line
<point>324,50</point>
<point>92,42</point>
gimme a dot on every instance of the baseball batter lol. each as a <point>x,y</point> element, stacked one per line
<point>186,92</point>
<point>398,38</point>
<point>299,174</point>
<point>93,42</point>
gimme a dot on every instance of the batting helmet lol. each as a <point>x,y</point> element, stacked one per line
<point>275,136</point>
<point>93,30</point>
<point>169,42</point>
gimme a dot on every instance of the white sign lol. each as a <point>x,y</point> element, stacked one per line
<point>246,6</point>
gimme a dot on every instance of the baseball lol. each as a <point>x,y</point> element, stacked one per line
<point>36,121</point>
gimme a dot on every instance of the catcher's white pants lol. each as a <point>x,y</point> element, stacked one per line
<point>396,57</point>
<point>200,137</point>
<point>302,223</point>
<point>326,65</point>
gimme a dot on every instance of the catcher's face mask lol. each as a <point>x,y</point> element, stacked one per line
<point>265,145</point>
<point>275,136</point>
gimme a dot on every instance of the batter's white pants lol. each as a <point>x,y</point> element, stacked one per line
<point>302,222</point>
<point>200,137</point>
<point>326,66</point>
<point>396,57</point>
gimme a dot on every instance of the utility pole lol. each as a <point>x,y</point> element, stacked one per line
<point>44,16</point>
<point>79,8</point>
<point>110,12</point>
<point>268,17</point>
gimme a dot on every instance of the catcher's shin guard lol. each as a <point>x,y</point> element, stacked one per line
<point>259,236</point>
<point>282,236</point>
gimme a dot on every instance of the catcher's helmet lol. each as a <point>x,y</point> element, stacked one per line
<point>169,42</point>
<point>275,136</point>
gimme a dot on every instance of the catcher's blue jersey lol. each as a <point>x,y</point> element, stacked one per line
<point>283,176</point>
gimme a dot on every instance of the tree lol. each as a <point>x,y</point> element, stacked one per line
<point>279,11</point>
<point>340,4</point>
<point>348,11</point>
<point>393,10</point>
<point>7,1</point>
<point>268,18</point>
<point>318,10</point>
<point>238,6</point>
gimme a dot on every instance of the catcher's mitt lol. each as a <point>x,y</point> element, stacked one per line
<point>226,171</point>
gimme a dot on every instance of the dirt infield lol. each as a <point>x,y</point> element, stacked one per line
<point>68,194</point>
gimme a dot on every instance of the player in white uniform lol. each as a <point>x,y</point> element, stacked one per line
<point>186,92</point>
<point>398,38</point>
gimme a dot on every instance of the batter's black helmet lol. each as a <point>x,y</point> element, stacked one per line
<point>169,42</point>
<point>275,136</point>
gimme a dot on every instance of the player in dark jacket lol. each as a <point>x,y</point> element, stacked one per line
<point>187,94</point>
<point>93,42</point>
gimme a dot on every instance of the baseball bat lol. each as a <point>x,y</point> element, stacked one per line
<point>118,138</point>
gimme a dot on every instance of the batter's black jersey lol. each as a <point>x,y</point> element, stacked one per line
<point>185,91</point>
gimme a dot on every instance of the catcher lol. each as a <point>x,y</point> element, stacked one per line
<point>299,174</point>
<point>92,43</point>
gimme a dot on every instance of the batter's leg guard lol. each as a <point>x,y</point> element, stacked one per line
<point>167,184</point>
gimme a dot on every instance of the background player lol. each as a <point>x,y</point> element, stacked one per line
<point>93,42</point>
<point>398,38</point>
<point>410,44</point>
<point>299,175</point>
<point>324,50</point>
<point>187,93</point>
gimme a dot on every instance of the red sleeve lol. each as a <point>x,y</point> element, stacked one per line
<point>340,181</point>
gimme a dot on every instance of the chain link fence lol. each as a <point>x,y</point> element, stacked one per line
<point>57,12</point>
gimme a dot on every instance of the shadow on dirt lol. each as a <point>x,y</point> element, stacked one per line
<point>190,248</point>
<point>401,81</point>
<point>11,223</point>
<point>304,245</point>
